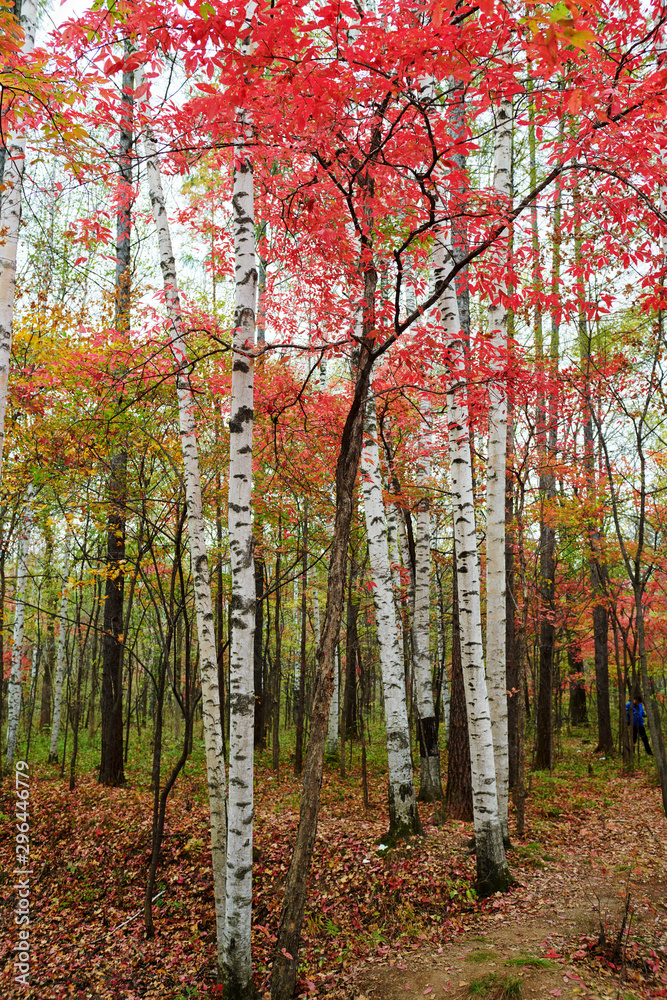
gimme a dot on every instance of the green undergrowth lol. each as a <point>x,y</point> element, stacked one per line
<point>493,986</point>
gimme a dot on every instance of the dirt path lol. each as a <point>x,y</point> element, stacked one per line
<point>544,934</point>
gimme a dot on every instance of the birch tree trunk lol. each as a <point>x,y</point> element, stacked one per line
<point>430,786</point>
<point>60,662</point>
<point>334,707</point>
<point>496,611</point>
<point>403,815</point>
<point>14,684</point>
<point>237,968</point>
<point>493,873</point>
<point>10,221</point>
<point>215,762</point>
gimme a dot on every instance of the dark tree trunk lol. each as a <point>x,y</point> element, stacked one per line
<point>458,797</point>
<point>544,721</point>
<point>512,664</point>
<point>301,694</point>
<point>47,680</point>
<point>601,636</point>
<point>575,661</point>
<point>111,764</point>
<point>277,665</point>
<point>283,980</point>
<point>258,658</point>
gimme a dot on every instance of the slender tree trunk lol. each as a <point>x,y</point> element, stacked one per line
<point>10,221</point>
<point>578,710</point>
<point>277,666</point>
<point>208,667</point>
<point>459,782</point>
<point>332,748</point>
<point>49,647</point>
<point>237,968</point>
<point>496,610</point>
<point>60,662</point>
<point>430,786</point>
<point>624,734</point>
<point>512,672</point>
<point>286,956</point>
<point>185,705</point>
<point>350,729</point>
<point>403,815</point>
<point>258,659</point>
<point>111,763</point>
<point>492,870</point>
<point>652,709</point>
<point>601,639</point>
<point>301,693</point>
<point>14,688</point>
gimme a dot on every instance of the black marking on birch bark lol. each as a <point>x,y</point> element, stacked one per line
<point>242,704</point>
<point>243,415</point>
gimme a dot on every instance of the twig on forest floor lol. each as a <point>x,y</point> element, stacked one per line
<point>657,839</point>
<point>625,949</point>
<point>134,915</point>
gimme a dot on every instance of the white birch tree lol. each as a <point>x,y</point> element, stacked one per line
<point>495,485</point>
<point>237,968</point>
<point>332,728</point>
<point>10,222</point>
<point>14,688</point>
<point>430,788</point>
<point>403,815</point>
<point>60,660</point>
<point>208,665</point>
<point>492,870</point>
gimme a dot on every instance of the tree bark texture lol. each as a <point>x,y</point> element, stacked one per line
<point>237,967</point>
<point>458,798</point>
<point>403,815</point>
<point>111,762</point>
<point>258,659</point>
<point>301,693</point>
<point>492,870</point>
<point>430,786</point>
<point>60,662</point>
<point>14,688</point>
<point>544,718</point>
<point>496,611</point>
<point>10,221</point>
<point>215,762</point>
<point>652,709</point>
<point>286,956</point>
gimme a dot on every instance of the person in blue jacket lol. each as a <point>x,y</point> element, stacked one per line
<point>638,720</point>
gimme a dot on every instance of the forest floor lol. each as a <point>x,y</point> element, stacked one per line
<point>380,925</point>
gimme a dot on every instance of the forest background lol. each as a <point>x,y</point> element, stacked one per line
<point>331,415</point>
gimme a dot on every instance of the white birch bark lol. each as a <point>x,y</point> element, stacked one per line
<point>403,815</point>
<point>215,763</point>
<point>10,221</point>
<point>60,660</point>
<point>14,686</point>
<point>495,492</point>
<point>331,746</point>
<point>392,516</point>
<point>444,693</point>
<point>237,969</point>
<point>492,869</point>
<point>430,785</point>
<point>332,729</point>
